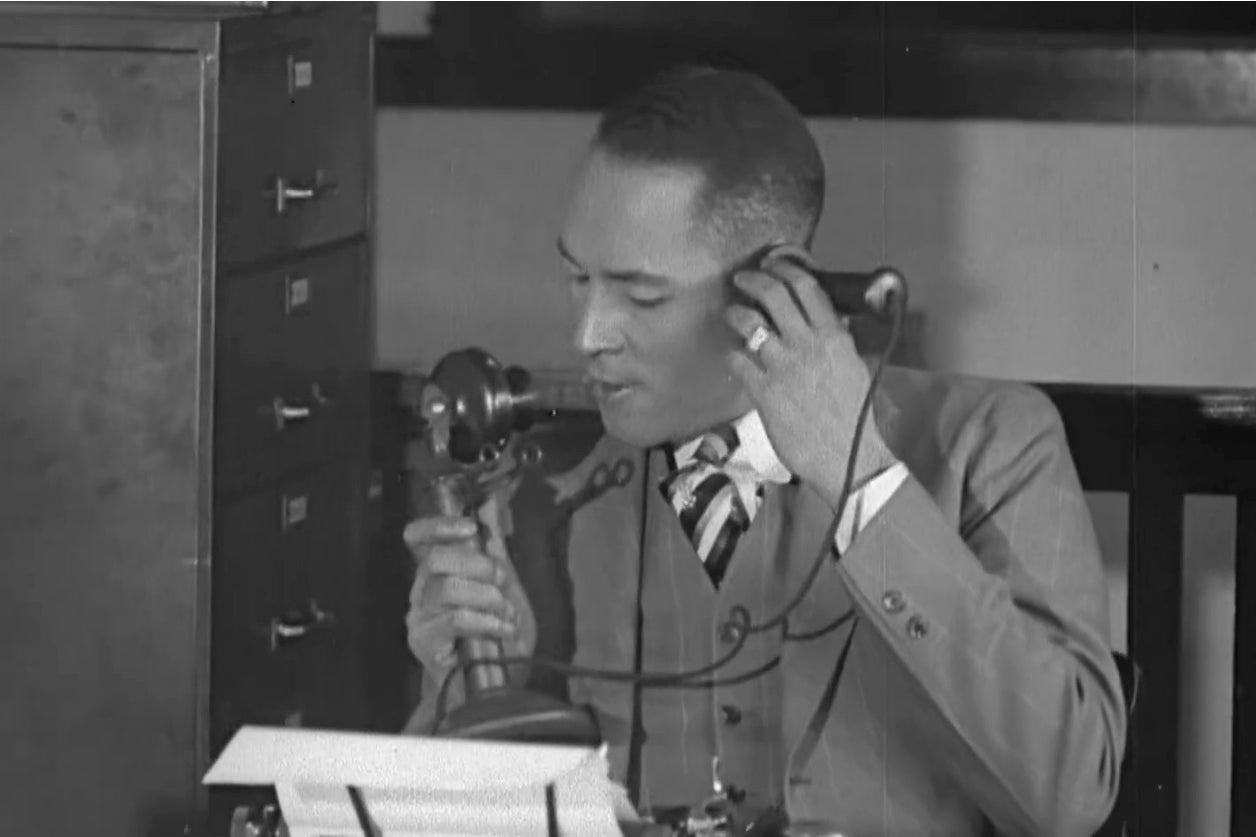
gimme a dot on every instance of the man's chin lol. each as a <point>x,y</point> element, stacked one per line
<point>628,432</point>
<point>641,422</point>
<point>633,428</point>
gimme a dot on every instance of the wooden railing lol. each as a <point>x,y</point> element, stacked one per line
<point>1157,446</point>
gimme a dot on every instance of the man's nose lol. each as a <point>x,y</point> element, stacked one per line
<point>598,329</point>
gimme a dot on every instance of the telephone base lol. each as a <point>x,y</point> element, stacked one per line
<point>507,714</point>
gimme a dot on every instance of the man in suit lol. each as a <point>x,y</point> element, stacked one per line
<point>943,667</point>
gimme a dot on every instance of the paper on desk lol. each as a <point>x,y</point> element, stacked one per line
<point>415,785</point>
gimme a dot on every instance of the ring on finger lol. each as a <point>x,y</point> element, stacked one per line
<point>757,338</point>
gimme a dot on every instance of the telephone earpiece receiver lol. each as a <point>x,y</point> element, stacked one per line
<point>873,293</point>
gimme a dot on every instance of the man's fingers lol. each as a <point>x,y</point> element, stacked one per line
<point>435,632</point>
<point>460,561</point>
<point>428,531</point>
<point>745,321</point>
<point>431,634</point>
<point>475,623</point>
<point>777,302</point>
<point>811,297</point>
<point>444,563</point>
<point>464,561</point>
<point>457,591</point>
<point>453,593</point>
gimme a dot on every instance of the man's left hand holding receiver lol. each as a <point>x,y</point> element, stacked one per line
<point>806,379</point>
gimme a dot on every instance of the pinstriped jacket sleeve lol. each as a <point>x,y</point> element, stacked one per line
<point>1003,622</point>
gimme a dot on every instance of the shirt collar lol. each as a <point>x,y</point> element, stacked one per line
<point>754,451</point>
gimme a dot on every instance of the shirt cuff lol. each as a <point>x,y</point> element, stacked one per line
<point>864,504</point>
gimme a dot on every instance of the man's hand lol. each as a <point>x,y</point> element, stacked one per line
<point>460,591</point>
<point>807,379</point>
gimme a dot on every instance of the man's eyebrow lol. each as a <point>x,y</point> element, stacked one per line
<point>626,275</point>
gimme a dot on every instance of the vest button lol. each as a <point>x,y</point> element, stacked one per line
<point>730,632</point>
<point>731,715</point>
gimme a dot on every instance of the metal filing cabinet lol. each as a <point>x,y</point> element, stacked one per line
<point>186,328</point>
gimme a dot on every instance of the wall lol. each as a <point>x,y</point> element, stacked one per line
<point>1047,251</point>
<point>1053,252</point>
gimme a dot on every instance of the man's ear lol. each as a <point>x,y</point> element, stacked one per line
<point>790,251</point>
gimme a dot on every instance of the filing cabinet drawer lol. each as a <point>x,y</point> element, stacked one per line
<point>285,604</point>
<point>295,103</point>
<point>292,355</point>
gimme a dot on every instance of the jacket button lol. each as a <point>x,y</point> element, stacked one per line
<point>917,627</point>
<point>730,632</point>
<point>893,601</point>
<point>731,715</point>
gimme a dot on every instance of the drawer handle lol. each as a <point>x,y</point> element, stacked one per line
<point>284,193</point>
<point>300,76</point>
<point>286,413</point>
<point>294,512</point>
<point>296,294</point>
<point>296,625</point>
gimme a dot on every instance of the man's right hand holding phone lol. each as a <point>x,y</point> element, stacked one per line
<point>461,590</point>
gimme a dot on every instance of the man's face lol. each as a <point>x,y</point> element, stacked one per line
<point>649,294</point>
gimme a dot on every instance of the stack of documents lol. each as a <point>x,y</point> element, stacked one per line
<point>434,787</point>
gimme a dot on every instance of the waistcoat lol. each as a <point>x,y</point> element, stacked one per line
<point>686,627</point>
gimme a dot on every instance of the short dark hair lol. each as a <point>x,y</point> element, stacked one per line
<point>763,173</point>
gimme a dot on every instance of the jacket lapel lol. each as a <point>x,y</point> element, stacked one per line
<point>808,661</point>
<point>601,503</point>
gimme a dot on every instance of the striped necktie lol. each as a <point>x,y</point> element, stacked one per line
<point>714,509</point>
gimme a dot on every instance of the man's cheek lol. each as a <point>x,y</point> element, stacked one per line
<point>705,375</point>
<point>713,346</point>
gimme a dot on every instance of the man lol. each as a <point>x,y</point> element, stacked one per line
<point>948,669</point>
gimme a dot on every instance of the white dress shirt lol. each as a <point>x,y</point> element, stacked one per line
<point>755,460</point>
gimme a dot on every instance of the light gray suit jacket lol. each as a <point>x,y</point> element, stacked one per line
<point>980,695</point>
